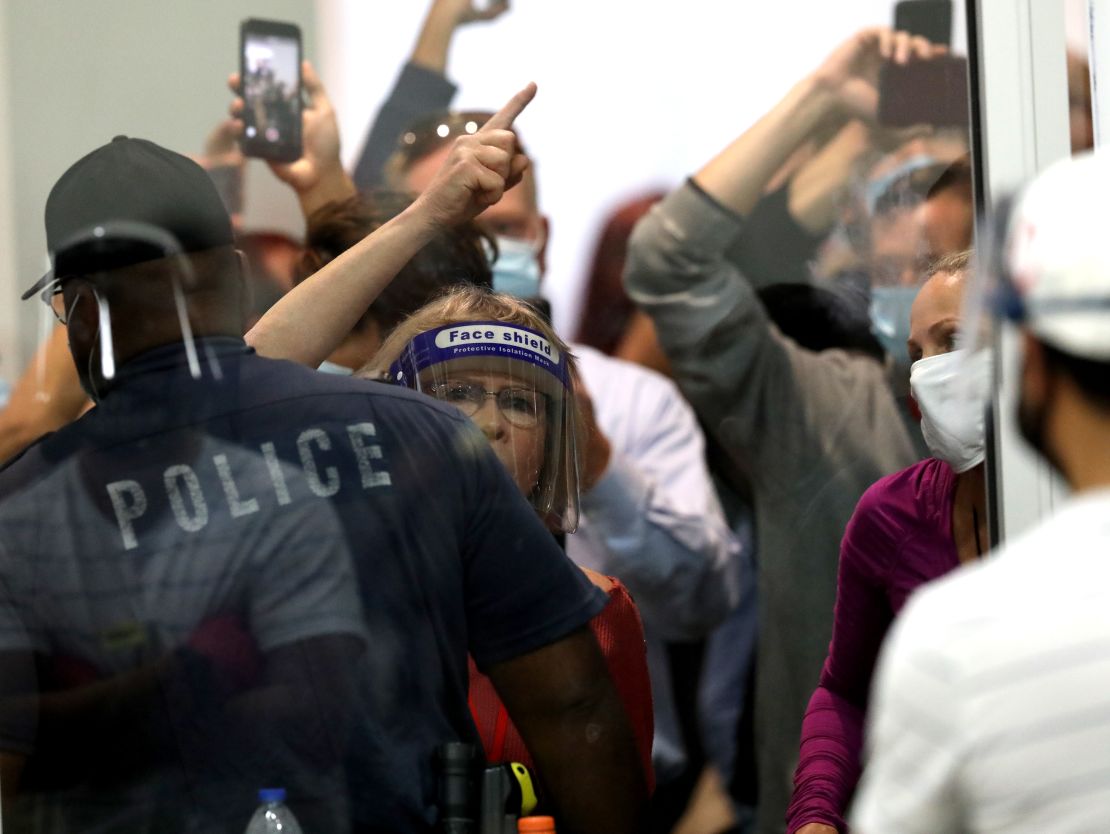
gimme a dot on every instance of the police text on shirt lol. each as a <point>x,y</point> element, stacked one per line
<point>189,500</point>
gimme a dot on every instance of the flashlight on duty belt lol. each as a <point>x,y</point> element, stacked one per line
<point>479,799</point>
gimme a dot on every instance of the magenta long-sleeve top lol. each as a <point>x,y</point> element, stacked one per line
<point>899,537</point>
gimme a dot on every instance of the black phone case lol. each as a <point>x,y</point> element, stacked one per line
<point>287,119</point>
<point>924,93</point>
<point>931,19</point>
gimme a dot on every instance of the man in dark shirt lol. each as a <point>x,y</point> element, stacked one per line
<point>235,572</point>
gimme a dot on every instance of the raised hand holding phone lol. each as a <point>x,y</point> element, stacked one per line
<point>317,175</point>
<point>480,168</point>
<point>270,78</point>
<point>851,72</point>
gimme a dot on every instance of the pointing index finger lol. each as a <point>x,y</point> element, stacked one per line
<point>503,119</point>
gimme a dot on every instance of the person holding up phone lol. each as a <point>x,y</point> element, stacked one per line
<point>422,86</point>
<point>316,175</point>
<point>810,429</point>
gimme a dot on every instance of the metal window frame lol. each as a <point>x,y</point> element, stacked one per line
<point>1098,40</point>
<point>1019,97</point>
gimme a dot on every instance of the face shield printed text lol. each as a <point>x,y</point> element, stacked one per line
<point>477,339</point>
<point>505,352</point>
<point>197,491</point>
<point>496,334</point>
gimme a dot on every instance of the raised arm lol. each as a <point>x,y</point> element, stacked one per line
<point>46,397</point>
<point>844,85</point>
<point>708,317</point>
<point>422,86</point>
<point>313,318</point>
<point>712,326</point>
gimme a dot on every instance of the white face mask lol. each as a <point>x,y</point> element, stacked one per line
<point>951,390</point>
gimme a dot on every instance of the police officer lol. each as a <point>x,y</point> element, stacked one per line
<point>234,571</point>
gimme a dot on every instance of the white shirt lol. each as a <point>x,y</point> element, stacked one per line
<point>654,521</point>
<point>991,708</point>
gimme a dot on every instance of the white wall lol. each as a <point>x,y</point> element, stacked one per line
<point>1076,24</point>
<point>633,93</point>
<point>74,74</point>
<point>10,350</point>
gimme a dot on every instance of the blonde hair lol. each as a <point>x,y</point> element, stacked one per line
<point>460,304</point>
<point>952,264</point>
<point>467,303</point>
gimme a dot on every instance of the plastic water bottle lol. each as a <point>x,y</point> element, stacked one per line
<point>272,817</point>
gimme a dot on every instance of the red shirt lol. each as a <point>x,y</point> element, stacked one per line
<point>620,634</point>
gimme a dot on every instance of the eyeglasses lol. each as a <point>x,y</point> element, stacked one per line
<point>52,297</point>
<point>521,407</point>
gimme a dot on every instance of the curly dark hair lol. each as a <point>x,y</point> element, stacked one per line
<point>454,256</point>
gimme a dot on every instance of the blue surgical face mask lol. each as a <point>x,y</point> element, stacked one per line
<point>517,268</point>
<point>890,319</point>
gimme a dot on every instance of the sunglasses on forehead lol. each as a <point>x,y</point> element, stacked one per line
<point>433,132</point>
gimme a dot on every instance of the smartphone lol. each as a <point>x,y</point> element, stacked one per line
<point>932,92</point>
<point>270,85</point>
<point>931,19</point>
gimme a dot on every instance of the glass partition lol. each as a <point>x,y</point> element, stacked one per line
<point>367,467</point>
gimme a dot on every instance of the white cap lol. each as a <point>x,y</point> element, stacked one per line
<point>1058,255</point>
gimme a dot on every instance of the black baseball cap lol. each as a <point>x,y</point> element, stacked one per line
<point>126,202</point>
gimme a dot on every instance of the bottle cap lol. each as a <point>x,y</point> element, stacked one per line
<point>535,825</point>
<point>271,795</point>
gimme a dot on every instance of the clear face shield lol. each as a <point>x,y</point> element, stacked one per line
<point>515,385</point>
<point>104,247</point>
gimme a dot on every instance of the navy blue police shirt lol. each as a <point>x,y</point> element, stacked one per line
<point>305,512</point>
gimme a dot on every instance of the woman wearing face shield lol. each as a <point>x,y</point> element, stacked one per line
<point>908,529</point>
<point>496,360</point>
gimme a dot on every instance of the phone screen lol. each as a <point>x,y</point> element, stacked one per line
<point>271,88</point>
<point>931,19</point>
